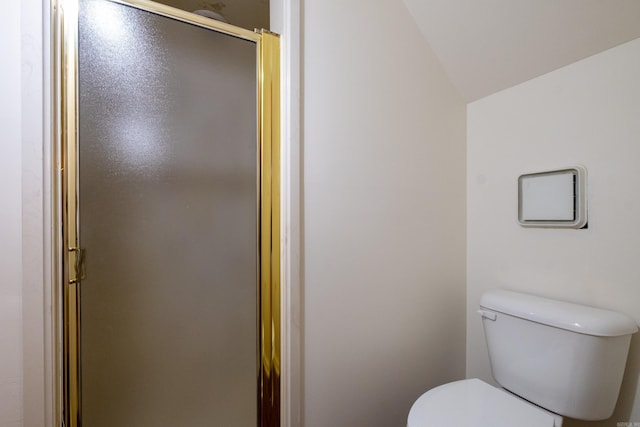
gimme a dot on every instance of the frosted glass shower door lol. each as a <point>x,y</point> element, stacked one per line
<point>168,214</point>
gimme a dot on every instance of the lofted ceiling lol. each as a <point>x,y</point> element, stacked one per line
<point>489,45</point>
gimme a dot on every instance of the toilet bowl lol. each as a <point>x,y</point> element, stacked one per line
<point>474,403</point>
<point>548,354</point>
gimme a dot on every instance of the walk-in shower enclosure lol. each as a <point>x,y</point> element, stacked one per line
<point>168,189</point>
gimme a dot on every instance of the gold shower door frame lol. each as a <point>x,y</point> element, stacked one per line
<point>69,253</point>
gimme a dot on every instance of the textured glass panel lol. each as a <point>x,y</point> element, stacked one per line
<point>168,190</point>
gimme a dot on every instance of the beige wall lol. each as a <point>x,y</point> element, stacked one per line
<point>586,113</point>
<point>384,216</point>
<point>10,221</point>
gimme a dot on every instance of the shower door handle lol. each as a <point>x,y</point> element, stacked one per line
<point>78,266</point>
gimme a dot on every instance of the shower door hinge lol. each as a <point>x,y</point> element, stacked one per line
<point>263,31</point>
<point>78,265</point>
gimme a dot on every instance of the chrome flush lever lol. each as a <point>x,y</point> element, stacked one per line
<point>488,314</point>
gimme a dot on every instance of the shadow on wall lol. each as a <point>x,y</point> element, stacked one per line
<point>622,413</point>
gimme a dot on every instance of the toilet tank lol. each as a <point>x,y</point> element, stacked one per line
<point>564,357</point>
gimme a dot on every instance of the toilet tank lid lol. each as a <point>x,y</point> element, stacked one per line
<point>573,317</point>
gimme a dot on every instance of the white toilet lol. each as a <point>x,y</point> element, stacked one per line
<point>564,359</point>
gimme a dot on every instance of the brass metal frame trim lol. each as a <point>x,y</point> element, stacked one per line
<point>69,254</point>
<point>191,18</point>
<point>66,70</point>
<point>269,125</point>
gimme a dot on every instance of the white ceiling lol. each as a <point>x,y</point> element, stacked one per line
<point>489,45</point>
